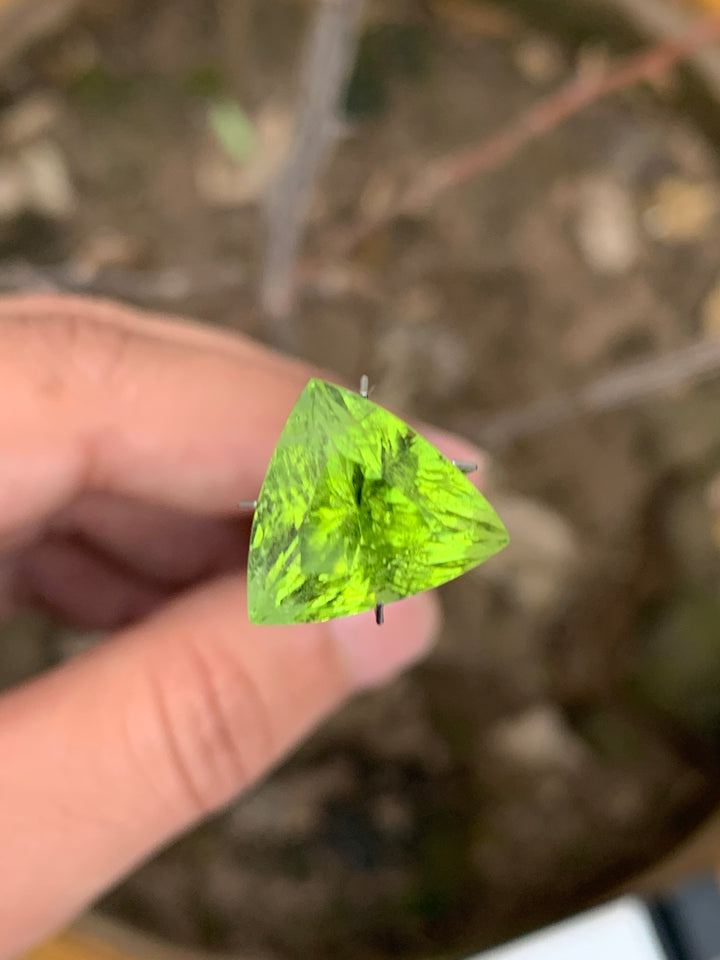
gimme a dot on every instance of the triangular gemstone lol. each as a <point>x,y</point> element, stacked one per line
<point>358,509</point>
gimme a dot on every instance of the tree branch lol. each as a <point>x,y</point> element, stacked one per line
<point>618,389</point>
<point>327,60</point>
<point>481,158</point>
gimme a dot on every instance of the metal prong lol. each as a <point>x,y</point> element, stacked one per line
<point>248,504</point>
<point>465,466</point>
<point>364,385</point>
<point>379,614</point>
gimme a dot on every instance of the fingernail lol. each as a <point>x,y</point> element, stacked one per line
<point>457,448</point>
<point>373,653</point>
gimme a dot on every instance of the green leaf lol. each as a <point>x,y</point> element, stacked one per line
<point>233,129</point>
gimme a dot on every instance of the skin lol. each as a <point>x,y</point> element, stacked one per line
<point>126,443</point>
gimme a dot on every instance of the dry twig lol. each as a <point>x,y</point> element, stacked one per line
<point>625,387</point>
<point>327,60</point>
<point>664,19</point>
<point>490,153</point>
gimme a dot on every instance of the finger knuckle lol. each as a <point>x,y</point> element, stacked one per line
<point>70,348</point>
<point>215,726</point>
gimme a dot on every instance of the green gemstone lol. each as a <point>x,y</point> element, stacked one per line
<point>358,509</point>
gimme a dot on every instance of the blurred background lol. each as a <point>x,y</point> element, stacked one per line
<point>507,213</point>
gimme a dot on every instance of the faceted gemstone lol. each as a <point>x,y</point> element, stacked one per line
<point>358,509</point>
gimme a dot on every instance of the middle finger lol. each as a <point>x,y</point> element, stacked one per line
<point>161,544</point>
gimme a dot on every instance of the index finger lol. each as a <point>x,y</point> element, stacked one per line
<point>95,396</point>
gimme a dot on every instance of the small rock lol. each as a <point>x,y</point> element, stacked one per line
<point>606,227</point>
<point>31,118</point>
<point>33,173</point>
<point>680,211</point>
<point>36,179</point>
<point>539,60</point>
<point>48,187</point>
<point>710,314</point>
<point>538,737</point>
<point>12,190</point>
<point>105,248</point>
<point>541,557</point>
<point>290,804</point>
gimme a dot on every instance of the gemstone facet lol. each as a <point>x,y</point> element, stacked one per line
<point>357,509</point>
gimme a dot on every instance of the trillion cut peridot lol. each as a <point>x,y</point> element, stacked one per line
<point>358,509</point>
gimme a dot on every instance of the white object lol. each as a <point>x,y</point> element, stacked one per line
<point>622,930</point>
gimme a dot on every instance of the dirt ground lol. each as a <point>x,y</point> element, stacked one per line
<point>564,734</point>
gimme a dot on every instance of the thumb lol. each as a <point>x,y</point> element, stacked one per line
<point>112,754</point>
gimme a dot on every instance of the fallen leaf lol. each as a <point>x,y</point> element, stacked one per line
<point>710,314</point>
<point>680,210</point>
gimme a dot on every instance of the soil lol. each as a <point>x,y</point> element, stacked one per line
<point>565,733</point>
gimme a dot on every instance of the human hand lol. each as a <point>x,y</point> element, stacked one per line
<point>126,443</point>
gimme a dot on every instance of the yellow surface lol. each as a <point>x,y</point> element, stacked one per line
<point>99,938</point>
<point>76,946</point>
